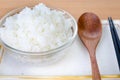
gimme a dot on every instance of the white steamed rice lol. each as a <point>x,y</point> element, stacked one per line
<point>37,29</point>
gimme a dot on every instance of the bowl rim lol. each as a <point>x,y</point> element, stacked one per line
<point>63,46</point>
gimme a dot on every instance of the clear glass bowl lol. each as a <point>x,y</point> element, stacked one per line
<point>44,57</point>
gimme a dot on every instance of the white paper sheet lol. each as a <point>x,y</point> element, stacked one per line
<point>76,62</point>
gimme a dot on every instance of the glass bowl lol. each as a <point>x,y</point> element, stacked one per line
<point>44,57</point>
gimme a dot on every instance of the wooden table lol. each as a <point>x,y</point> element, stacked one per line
<point>103,8</point>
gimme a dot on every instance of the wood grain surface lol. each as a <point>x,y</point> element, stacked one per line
<point>103,8</point>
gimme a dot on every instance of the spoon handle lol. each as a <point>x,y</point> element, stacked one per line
<point>95,70</point>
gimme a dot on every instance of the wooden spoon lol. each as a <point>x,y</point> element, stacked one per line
<point>90,30</point>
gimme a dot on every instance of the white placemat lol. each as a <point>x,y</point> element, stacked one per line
<point>76,62</point>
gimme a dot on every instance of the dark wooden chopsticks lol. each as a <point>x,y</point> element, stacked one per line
<point>115,39</point>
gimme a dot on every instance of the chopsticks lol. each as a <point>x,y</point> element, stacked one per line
<point>115,39</point>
